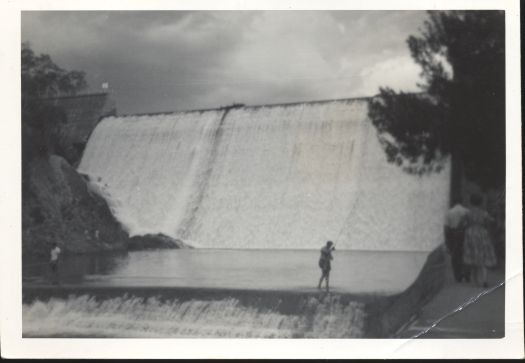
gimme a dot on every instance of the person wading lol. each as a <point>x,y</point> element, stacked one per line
<point>455,223</point>
<point>53,263</point>
<point>325,264</point>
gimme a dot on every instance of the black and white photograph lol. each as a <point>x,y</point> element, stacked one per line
<point>255,175</point>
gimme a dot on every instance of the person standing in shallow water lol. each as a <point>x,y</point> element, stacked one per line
<point>325,264</point>
<point>478,250</point>
<point>53,263</point>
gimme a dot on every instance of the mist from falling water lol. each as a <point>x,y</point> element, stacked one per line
<point>272,177</point>
<point>151,318</point>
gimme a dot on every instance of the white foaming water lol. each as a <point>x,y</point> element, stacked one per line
<point>139,318</point>
<point>288,176</point>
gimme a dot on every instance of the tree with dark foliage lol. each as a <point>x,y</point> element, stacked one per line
<point>41,121</point>
<point>461,110</point>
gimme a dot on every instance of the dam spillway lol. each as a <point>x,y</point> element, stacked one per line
<point>282,176</point>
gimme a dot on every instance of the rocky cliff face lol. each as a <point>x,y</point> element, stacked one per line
<point>57,206</point>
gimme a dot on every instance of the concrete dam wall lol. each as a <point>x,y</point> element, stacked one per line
<point>283,176</point>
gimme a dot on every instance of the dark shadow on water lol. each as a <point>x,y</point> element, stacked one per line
<point>73,268</point>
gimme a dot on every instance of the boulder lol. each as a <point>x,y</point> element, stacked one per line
<point>154,241</point>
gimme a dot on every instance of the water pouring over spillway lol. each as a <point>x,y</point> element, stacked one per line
<point>283,176</point>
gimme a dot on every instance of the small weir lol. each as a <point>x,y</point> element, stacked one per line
<point>90,310</point>
<point>190,313</point>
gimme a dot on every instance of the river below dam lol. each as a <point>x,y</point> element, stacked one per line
<point>352,271</point>
<point>206,293</point>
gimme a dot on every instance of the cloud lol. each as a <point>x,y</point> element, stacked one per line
<point>167,60</point>
<point>399,73</point>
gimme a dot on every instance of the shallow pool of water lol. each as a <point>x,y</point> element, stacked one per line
<point>352,271</point>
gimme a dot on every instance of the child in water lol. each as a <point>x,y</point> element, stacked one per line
<point>325,264</point>
<point>53,262</point>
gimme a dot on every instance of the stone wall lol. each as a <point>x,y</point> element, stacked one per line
<point>389,315</point>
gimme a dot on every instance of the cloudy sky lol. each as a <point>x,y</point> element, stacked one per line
<point>174,60</point>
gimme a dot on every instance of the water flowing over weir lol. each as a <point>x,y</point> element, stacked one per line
<point>283,176</point>
<point>133,317</point>
<point>95,310</point>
